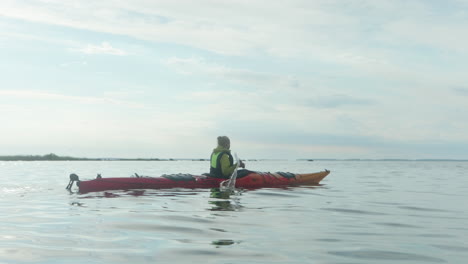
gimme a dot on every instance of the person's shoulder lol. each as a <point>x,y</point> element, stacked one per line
<point>225,154</point>
<point>220,149</point>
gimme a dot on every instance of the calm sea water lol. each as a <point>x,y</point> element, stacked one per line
<point>364,212</point>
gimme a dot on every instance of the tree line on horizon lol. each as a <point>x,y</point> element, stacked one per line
<point>54,157</point>
<point>50,156</point>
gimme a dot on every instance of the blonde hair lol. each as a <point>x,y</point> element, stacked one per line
<point>223,141</point>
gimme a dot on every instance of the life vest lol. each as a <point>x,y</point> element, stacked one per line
<point>215,168</point>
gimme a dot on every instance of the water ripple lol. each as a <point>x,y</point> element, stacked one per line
<point>452,248</point>
<point>386,255</point>
<point>159,228</point>
<point>398,225</point>
<point>352,211</point>
<point>422,209</point>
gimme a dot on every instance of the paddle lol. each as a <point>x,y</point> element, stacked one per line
<point>229,185</point>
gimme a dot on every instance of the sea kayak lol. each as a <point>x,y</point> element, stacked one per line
<point>245,179</point>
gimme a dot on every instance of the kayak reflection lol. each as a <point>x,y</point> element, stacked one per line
<point>228,200</point>
<point>223,242</point>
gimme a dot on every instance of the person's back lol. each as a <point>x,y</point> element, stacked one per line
<point>222,162</point>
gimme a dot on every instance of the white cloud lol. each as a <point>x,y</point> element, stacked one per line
<point>104,48</point>
<point>40,95</point>
<point>394,115</point>
<point>313,31</point>
<point>72,63</point>
<point>441,34</point>
<point>338,100</point>
<point>200,66</point>
<point>322,30</point>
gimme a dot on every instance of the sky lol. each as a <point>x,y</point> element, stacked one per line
<point>290,79</point>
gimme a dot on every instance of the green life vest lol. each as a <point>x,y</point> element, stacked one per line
<point>215,168</point>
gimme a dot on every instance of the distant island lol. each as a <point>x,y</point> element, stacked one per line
<point>53,157</point>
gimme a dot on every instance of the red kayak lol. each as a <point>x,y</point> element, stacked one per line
<point>245,179</point>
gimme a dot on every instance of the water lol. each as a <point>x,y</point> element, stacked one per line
<point>364,212</point>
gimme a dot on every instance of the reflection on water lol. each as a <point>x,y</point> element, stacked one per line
<point>223,242</point>
<point>229,200</point>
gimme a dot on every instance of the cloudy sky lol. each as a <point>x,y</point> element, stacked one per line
<point>283,79</point>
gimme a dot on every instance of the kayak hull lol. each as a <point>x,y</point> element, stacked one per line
<point>252,180</point>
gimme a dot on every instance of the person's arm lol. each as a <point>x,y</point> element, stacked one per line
<point>226,167</point>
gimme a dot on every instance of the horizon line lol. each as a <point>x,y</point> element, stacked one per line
<point>54,157</point>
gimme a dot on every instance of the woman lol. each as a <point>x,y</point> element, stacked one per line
<point>222,162</point>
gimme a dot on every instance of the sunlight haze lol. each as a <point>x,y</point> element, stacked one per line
<point>283,79</point>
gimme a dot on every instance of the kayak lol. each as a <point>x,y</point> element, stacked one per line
<point>245,179</point>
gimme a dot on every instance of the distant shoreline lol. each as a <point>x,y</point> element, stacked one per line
<point>384,160</point>
<point>54,157</point>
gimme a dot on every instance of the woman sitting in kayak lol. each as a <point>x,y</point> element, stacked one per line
<point>222,162</point>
